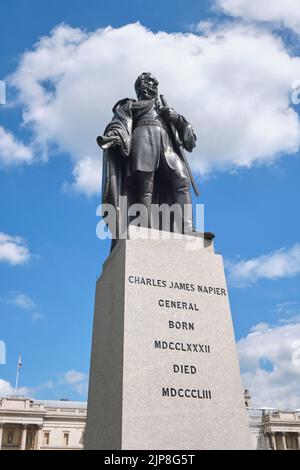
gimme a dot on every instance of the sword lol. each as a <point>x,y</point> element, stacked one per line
<point>180,150</point>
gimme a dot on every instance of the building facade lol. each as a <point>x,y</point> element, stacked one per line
<point>27,424</point>
<point>274,429</point>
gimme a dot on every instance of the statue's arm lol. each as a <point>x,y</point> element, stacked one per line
<point>118,131</point>
<point>186,133</point>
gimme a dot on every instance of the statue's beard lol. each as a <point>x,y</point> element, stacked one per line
<point>147,94</point>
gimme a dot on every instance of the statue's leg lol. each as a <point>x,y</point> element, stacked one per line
<point>179,182</point>
<point>143,190</point>
<point>180,185</point>
<point>182,197</point>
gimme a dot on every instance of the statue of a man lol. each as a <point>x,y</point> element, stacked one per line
<point>142,154</point>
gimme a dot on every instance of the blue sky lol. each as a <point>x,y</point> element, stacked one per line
<point>231,74</point>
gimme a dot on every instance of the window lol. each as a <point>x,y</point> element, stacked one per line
<point>46,438</point>
<point>278,437</point>
<point>10,437</point>
<point>291,440</point>
<point>66,439</point>
<point>29,438</point>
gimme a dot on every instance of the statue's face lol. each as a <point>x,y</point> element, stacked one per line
<point>147,87</point>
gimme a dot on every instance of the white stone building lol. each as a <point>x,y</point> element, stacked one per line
<point>274,429</point>
<point>34,424</point>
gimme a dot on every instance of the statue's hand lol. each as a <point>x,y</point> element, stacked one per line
<point>170,114</point>
<point>116,140</point>
<point>109,140</point>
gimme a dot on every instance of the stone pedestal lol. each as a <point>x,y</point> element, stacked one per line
<point>164,368</point>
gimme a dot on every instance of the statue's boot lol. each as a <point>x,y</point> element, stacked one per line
<point>184,200</point>
<point>206,235</point>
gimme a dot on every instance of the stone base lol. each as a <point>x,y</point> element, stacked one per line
<point>164,368</point>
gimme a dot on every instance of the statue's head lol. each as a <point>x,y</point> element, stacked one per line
<point>146,86</point>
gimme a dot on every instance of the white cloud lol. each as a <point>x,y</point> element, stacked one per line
<point>13,250</point>
<point>203,27</point>
<point>285,12</point>
<point>13,152</point>
<point>77,380</point>
<point>6,389</point>
<point>86,176</point>
<point>72,376</point>
<point>47,385</point>
<point>270,363</point>
<point>2,352</point>
<point>276,265</point>
<point>82,388</point>
<point>73,380</point>
<point>22,301</point>
<point>288,312</point>
<point>232,84</point>
<point>36,316</point>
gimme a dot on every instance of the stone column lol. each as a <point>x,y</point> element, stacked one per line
<point>1,433</point>
<point>284,441</point>
<point>23,438</point>
<point>273,441</point>
<point>38,438</point>
<point>298,439</point>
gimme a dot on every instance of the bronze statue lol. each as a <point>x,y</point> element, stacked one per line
<point>143,154</point>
